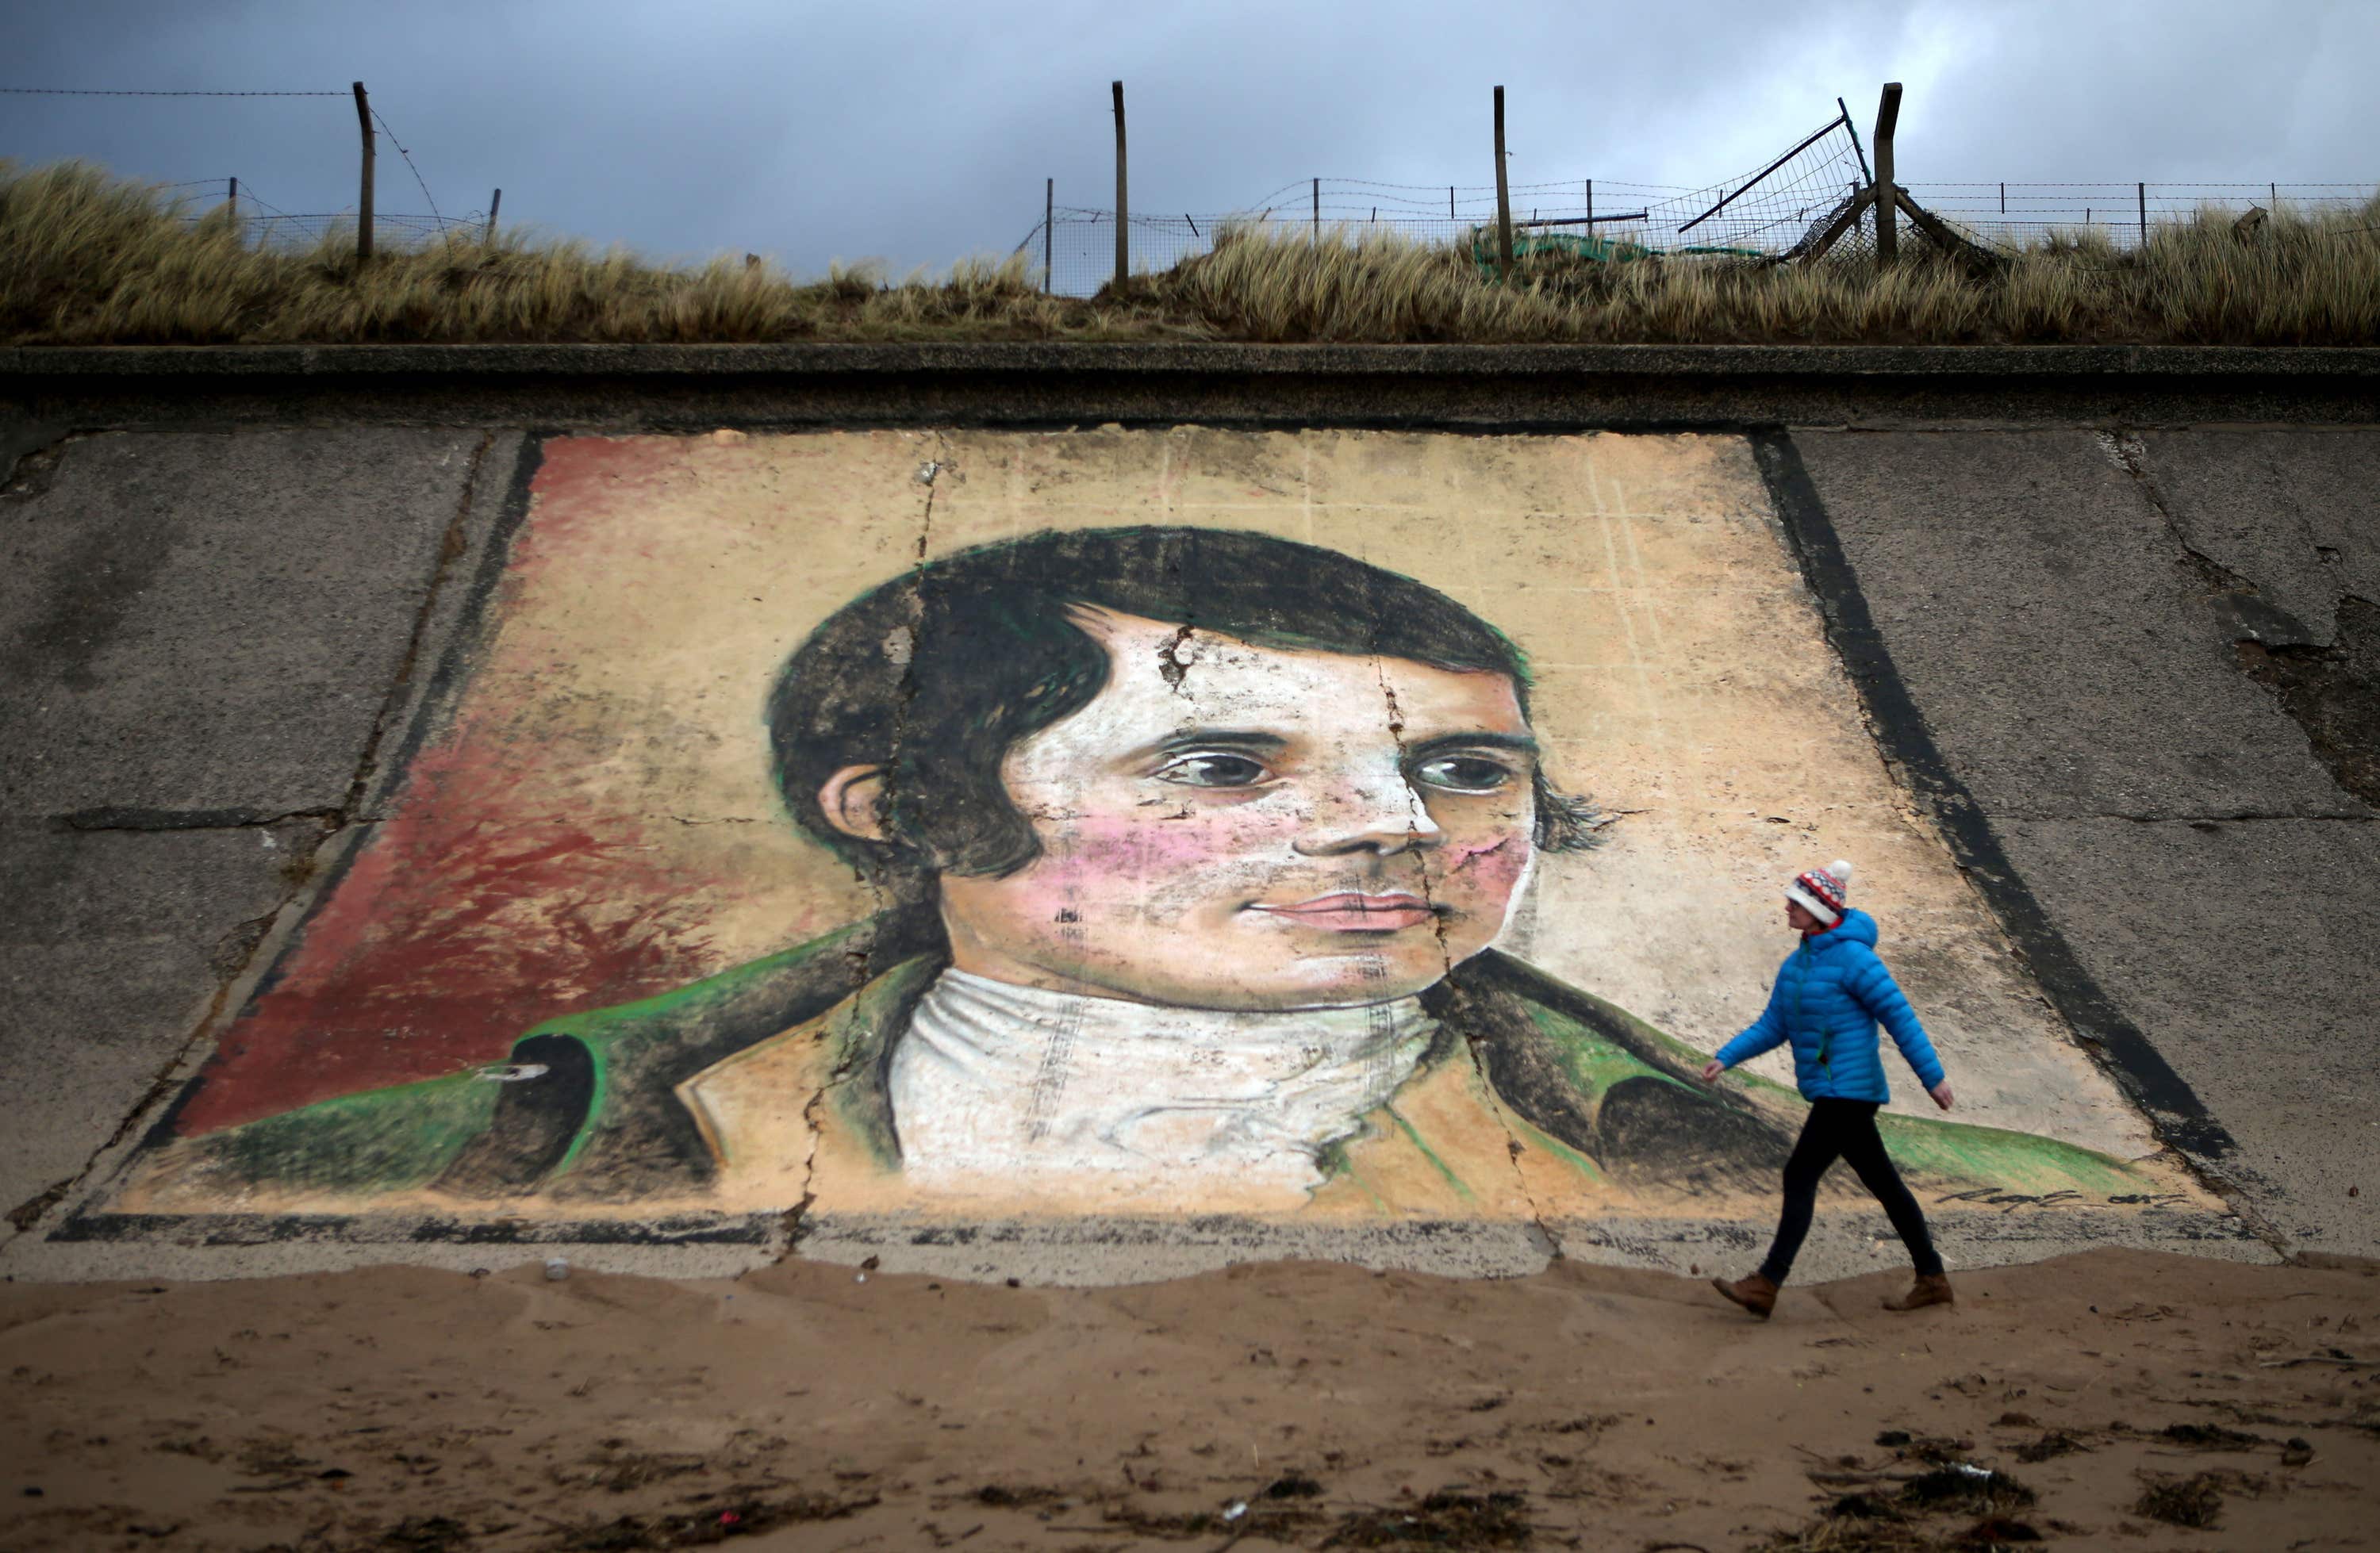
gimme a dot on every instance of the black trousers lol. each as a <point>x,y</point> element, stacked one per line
<point>1844,1130</point>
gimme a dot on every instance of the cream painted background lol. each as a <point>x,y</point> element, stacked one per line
<point>1683,683</point>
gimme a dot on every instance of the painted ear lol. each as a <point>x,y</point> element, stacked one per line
<point>853,801</point>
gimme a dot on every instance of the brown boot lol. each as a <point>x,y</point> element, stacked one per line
<point>1755,1293</point>
<point>1931,1289</point>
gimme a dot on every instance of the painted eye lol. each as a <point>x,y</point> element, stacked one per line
<point>1213,771</point>
<point>1464,773</point>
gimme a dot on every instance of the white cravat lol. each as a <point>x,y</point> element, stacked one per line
<point>996,1086</point>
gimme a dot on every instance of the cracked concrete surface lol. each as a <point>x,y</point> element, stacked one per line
<point>200,621</point>
<point>210,638</point>
<point>217,642</point>
<point>2038,592</point>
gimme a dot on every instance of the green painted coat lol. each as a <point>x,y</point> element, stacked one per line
<point>596,1107</point>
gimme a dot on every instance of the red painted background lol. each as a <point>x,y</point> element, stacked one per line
<point>469,916</point>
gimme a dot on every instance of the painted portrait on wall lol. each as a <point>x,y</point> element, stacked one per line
<point>1108,823</point>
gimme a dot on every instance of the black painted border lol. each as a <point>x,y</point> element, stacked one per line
<point>2122,1048</point>
<point>696,1227</point>
<point>474,629</point>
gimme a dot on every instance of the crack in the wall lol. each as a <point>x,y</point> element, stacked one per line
<point>796,1218</point>
<point>234,960</point>
<point>928,474</point>
<point>2100,1028</point>
<point>166,1078</point>
<point>861,957</point>
<point>2331,692</point>
<point>29,460</point>
<point>1549,1242</point>
<point>2330,688</point>
<point>152,821</point>
<point>453,545</point>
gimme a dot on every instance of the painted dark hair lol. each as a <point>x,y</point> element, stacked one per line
<point>937,673</point>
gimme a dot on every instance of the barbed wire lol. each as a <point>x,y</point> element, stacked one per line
<point>408,160</point>
<point>2127,183</point>
<point>251,194</point>
<point>1770,218</point>
<point>82,91</point>
<point>1269,199</point>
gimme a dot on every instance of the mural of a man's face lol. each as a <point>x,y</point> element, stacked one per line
<point>1231,826</point>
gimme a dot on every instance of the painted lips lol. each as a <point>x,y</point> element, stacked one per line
<point>1353,912</point>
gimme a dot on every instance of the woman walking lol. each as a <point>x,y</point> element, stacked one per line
<point>1830,994</point>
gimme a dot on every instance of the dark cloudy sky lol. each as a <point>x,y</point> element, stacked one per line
<point>917,133</point>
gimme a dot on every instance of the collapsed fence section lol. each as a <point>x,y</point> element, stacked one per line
<point>1621,219</point>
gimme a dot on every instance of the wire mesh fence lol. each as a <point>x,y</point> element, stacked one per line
<point>388,230</point>
<point>1761,212</point>
<point>2012,215</point>
<point>1771,215</point>
<point>266,225</point>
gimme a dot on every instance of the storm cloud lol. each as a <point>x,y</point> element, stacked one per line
<point>917,134</point>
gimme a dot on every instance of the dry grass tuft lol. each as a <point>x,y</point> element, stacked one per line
<point>86,258</point>
<point>2294,281</point>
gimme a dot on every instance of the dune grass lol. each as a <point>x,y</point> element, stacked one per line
<point>87,258</point>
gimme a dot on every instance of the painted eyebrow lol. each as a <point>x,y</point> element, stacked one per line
<point>1520,744</point>
<point>1187,739</point>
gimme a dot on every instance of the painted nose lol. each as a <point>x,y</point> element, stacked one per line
<point>1384,817</point>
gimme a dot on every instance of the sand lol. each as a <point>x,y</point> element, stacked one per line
<point>1278,1406</point>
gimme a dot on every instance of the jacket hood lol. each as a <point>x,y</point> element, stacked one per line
<point>1857,927</point>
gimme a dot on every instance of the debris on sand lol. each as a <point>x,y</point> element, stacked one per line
<point>1964,1487</point>
<point>1000,1496</point>
<point>634,1534</point>
<point>425,1533</point>
<point>1859,1524</point>
<point>1940,1450</point>
<point>2052,1443</point>
<point>2196,1500</point>
<point>1446,1518</point>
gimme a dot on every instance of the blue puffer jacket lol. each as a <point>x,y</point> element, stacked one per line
<point>1829,996</point>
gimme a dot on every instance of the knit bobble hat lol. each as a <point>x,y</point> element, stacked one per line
<point>1823,892</point>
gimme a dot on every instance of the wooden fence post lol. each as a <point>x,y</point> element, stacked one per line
<point>364,200</point>
<point>495,203</point>
<point>1317,213</point>
<point>231,199</point>
<point>1888,116</point>
<point>1123,231</point>
<point>1503,197</point>
<point>1049,222</point>
<point>1590,207</point>
<point>2142,191</point>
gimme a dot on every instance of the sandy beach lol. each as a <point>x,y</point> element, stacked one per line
<point>2113,1398</point>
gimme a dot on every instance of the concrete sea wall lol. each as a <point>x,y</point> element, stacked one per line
<point>1087,814</point>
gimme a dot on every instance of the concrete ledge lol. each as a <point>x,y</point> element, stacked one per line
<point>47,391</point>
<point>2021,362</point>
